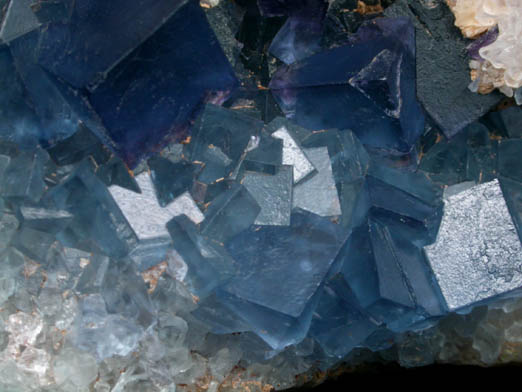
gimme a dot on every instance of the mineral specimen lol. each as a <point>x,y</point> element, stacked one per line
<point>376,83</point>
<point>442,70</point>
<point>164,227</point>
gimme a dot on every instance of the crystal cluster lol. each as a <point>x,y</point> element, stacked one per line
<point>200,205</point>
<point>498,62</point>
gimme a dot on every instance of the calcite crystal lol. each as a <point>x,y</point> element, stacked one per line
<point>243,195</point>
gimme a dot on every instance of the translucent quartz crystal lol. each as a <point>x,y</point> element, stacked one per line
<point>502,57</point>
<point>125,294</point>
<point>477,253</point>
<point>101,334</point>
<point>474,17</point>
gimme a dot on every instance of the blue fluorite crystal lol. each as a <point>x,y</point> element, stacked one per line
<point>78,50</point>
<point>294,261</point>
<point>340,324</point>
<point>98,223</point>
<point>301,34</point>
<point>159,102</point>
<point>19,122</point>
<point>367,85</point>
<point>17,20</point>
<point>145,226</point>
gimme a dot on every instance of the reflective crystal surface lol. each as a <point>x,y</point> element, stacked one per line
<point>238,196</point>
<point>477,253</point>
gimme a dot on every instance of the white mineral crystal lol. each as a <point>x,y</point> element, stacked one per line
<point>474,17</point>
<point>23,329</point>
<point>502,66</point>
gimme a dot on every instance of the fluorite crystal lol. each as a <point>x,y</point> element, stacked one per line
<point>168,222</point>
<point>478,236</point>
<point>373,74</point>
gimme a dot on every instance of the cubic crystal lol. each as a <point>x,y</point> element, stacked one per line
<point>477,254</point>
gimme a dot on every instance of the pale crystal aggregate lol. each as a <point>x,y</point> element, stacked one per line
<point>501,60</point>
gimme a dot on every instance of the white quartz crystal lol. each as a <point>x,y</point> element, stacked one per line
<point>474,17</point>
<point>502,66</point>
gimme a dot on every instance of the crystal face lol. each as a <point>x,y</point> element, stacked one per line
<point>477,253</point>
<point>375,82</point>
<point>223,195</point>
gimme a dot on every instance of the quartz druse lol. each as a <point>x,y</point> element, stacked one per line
<point>238,194</point>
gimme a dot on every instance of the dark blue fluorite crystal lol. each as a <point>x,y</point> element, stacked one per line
<point>19,122</point>
<point>367,85</point>
<point>156,90</point>
<point>300,36</point>
<point>97,36</point>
